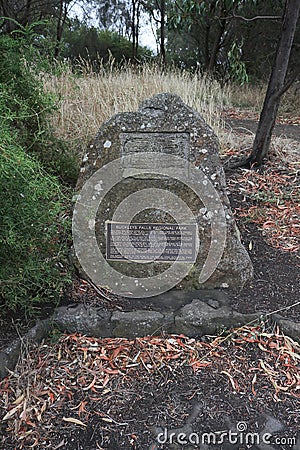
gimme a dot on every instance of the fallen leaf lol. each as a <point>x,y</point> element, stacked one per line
<point>106,419</point>
<point>18,400</point>
<point>12,412</point>
<point>72,420</point>
<point>61,444</point>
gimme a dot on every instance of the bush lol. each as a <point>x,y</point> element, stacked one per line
<point>31,248</point>
<point>34,228</point>
<point>20,72</point>
<point>83,43</point>
<point>28,103</point>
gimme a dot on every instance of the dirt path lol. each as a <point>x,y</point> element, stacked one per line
<point>248,126</point>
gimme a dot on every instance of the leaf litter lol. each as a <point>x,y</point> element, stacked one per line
<point>80,379</point>
<point>276,206</point>
<point>270,196</point>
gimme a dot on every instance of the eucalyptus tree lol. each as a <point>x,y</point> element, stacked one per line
<point>24,16</point>
<point>158,13</point>
<point>211,25</point>
<point>62,10</point>
<point>279,82</point>
<point>15,13</point>
<point>114,15</point>
<point>121,16</point>
<point>228,34</point>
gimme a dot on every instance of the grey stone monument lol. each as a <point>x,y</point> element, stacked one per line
<point>159,213</point>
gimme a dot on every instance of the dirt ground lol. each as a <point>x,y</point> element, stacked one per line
<point>155,392</point>
<point>170,392</point>
<point>247,125</point>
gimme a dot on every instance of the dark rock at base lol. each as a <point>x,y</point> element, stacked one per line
<point>84,320</point>
<point>138,323</point>
<point>289,327</point>
<point>194,313</point>
<point>10,355</point>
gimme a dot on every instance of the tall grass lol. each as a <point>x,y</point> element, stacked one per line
<point>90,99</point>
<point>251,96</point>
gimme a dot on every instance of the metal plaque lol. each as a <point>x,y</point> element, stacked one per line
<point>134,241</point>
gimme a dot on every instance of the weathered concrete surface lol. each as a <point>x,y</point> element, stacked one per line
<point>165,125</point>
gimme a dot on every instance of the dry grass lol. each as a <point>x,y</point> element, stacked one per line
<point>248,96</point>
<point>86,101</point>
<point>238,144</point>
<point>90,99</point>
<point>251,97</point>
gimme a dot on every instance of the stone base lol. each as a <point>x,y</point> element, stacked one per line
<point>193,313</point>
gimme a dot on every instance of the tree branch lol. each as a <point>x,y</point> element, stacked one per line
<point>289,83</point>
<point>150,11</point>
<point>251,19</point>
<point>179,7</point>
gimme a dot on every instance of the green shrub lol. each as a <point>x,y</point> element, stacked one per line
<point>97,47</point>
<point>33,232</point>
<point>21,67</point>
<point>27,100</point>
<point>34,225</point>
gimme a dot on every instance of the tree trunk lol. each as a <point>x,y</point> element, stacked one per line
<point>62,15</point>
<point>133,29</point>
<point>137,28</point>
<point>216,47</point>
<point>206,46</point>
<point>7,12</point>
<point>26,17</point>
<point>276,86</point>
<point>162,32</point>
